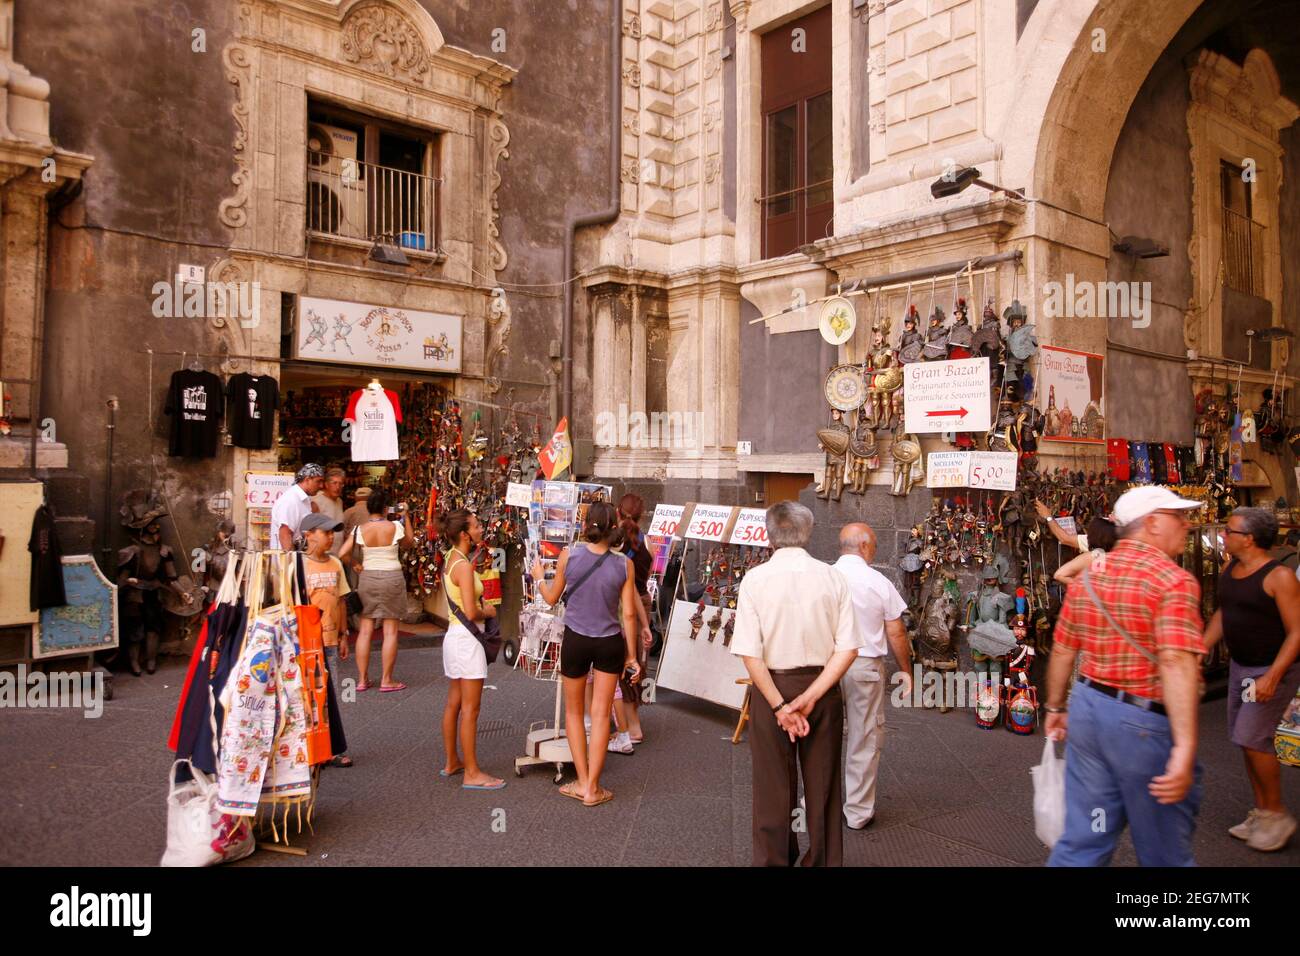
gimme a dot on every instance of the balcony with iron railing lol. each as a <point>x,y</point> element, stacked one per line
<point>1243,253</point>
<point>366,202</point>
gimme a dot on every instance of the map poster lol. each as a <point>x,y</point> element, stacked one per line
<point>88,622</point>
<point>350,333</point>
<point>1070,395</point>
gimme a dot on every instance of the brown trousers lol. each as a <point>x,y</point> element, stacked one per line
<point>776,777</point>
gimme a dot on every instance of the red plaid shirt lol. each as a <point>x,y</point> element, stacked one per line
<point>1151,597</point>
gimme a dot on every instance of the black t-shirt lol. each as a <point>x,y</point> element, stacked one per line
<point>194,401</point>
<point>47,562</point>
<point>253,400</point>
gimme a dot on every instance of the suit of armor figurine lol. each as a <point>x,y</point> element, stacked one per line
<point>885,388</point>
<point>988,342</point>
<point>906,453</point>
<point>961,335</point>
<point>834,440</point>
<point>864,458</point>
<point>1022,344</point>
<point>936,338</point>
<point>912,343</point>
<point>988,603</point>
<point>143,569</point>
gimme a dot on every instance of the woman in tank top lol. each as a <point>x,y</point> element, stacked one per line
<point>601,589</point>
<point>463,661</point>
<point>1259,618</point>
<point>381,584</point>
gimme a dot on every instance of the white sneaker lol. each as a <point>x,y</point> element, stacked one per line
<point>1242,830</point>
<point>620,744</point>
<point>586,722</point>
<point>1271,831</point>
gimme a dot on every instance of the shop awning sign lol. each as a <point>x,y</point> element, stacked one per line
<point>355,333</point>
<point>946,396</point>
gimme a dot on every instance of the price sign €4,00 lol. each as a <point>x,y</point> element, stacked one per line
<point>664,522</point>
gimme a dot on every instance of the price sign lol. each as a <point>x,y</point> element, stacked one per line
<point>264,487</point>
<point>1067,525</point>
<point>995,470</point>
<point>708,522</point>
<point>664,523</point>
<point>751,528</point>
<point>947,469</point>
<point>946,396</point>
<point>519,495</point>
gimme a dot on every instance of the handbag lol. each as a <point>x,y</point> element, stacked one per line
<point>198,834</point>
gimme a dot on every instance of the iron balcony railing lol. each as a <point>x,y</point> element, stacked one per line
<point>1243,253</point>
<point>358,200</point>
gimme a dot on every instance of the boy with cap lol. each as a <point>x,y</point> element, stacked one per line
<point>1131,757</point>
<point>327,584</point>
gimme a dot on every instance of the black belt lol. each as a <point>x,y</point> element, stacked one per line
<point>798,671</point>
<point>1124,696</point>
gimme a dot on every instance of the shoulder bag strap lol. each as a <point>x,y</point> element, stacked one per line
<point>1092,595</point>
<point>454,606</point>
<point>568,592</point>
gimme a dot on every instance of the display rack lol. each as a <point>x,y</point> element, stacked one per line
<point>696,658</point>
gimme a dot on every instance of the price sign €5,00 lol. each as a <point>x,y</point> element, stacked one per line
<point>751,528</point>
<point>708,523</point>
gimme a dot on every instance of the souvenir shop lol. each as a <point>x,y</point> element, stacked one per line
<point>1010,426</point>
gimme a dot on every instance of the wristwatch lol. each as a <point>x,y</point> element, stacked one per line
<point>1056,710</point>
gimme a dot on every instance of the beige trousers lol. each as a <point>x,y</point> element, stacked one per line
<point>864,710</point>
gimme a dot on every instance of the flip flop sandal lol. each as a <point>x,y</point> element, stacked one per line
<point>569,790</point>
<point>390,688</point>
<point>443,772</point>
<point>603,797</point>
<point>483,786</point>
<point>342,760</point>
<point>361,687</point>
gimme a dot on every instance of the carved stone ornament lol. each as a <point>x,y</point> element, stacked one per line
<point>499,137</point>
<point>498,315</point>
<point>714,18</point>
<point>239,72</point>
<point>629,174</point>
<point>632,74</point>
<point>632,27</point>
<point>381,39</point>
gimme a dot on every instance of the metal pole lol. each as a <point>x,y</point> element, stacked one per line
<point>107,550</point>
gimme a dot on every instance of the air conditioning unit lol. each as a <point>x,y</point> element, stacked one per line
<point>336,185</point>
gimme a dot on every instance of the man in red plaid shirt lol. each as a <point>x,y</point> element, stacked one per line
<point>1131,756</point>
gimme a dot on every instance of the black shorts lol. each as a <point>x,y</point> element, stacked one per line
<point>579,653</point>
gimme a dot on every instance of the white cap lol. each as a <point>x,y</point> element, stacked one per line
<point>1136,503</point>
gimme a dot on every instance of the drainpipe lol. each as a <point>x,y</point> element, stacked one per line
<point>608,214</point>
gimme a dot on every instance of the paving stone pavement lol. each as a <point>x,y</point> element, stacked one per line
<point>91,792</point>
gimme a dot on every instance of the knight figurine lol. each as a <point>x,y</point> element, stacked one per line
<point>885,382</point>
<point>911,344</point>
<point>144,569</point>
<point>934,641</point>
<point>989,604</point>
<point>218,554</point>
<point>936,338</point>
<point>834,440</point>
<point>961,335</point>
<point>864,457</point>
<point>988,342</point>
<point>1022,343</point>
<point>906,452</point>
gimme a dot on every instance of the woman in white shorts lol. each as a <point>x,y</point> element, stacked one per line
<point>463,660</point>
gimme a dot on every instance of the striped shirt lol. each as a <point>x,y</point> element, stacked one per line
<point>1152,598</point>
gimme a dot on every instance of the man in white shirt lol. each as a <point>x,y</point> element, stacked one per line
<point>796,633</point>
<point>330,501</point>
<point>878,609</point>
<point>294,505</point>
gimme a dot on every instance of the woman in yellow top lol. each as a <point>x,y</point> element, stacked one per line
<point>463,660</point>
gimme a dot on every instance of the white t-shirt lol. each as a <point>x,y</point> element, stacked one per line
<point>875,601</point>
<point>374,414</point>
<point>290,508</point>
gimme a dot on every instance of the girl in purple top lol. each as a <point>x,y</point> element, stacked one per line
<point>600,584</point>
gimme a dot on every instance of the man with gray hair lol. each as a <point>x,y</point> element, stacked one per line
<point>796,633</point>
<point>878,609</point>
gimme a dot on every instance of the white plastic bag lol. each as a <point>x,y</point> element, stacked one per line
<point>197,833</point>
<point>1049,795</point>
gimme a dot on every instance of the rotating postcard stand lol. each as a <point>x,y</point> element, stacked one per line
<point>556,514</point>
<point>696,658</point>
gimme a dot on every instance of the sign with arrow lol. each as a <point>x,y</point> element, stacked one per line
<point>947,396</point>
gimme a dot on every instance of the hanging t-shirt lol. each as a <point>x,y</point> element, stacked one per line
<point>47,562</point>
<point>194,401</point>
<point>374,414</point>
<point>250,418</point>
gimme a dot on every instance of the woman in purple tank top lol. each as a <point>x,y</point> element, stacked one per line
<point>599,589</point>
